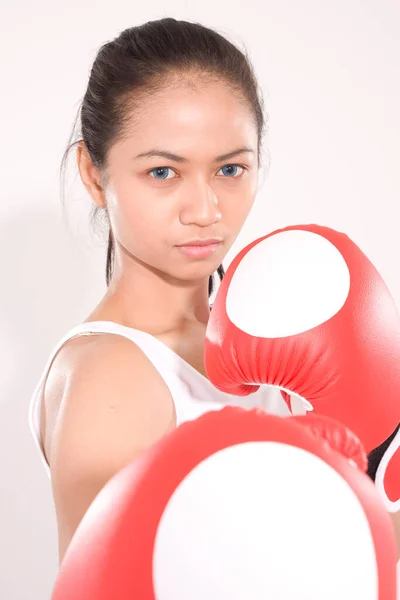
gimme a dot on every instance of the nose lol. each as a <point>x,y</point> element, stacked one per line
<point>200,206</point>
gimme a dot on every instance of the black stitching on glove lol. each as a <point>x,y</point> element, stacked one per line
<point>376,455</point>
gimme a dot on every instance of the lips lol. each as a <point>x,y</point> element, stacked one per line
<point>201,242</point>
<point>196,251</point>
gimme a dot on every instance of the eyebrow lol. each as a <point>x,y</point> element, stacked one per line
<point>182,159</point>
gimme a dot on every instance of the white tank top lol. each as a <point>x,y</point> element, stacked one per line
<point>192,393</point>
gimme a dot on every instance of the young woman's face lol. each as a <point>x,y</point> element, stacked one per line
<point>156,203</point>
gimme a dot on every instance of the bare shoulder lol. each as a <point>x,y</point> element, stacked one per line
<point>106,376</point>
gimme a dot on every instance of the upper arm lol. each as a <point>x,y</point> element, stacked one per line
<point>114,405</point>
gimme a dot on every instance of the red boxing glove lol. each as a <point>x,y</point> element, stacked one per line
<point>304,309</point>
<point>237,504</point>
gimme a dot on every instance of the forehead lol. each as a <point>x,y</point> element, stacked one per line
<point>193,110</point>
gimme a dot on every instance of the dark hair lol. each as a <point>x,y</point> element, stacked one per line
<point>135,65</point>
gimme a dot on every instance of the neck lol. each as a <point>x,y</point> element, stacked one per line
<point>147,299</point>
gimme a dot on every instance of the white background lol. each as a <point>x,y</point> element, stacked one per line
<point>330,75</point>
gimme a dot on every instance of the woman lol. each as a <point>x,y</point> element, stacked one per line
<point>172,126</point>
<point>171,133</point>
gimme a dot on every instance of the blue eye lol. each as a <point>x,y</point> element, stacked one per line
<point>230,171</point>
<point>160,171</point>
<point>230,167</point>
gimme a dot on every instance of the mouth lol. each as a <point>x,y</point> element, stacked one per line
<point>199,242</point>
<point>200,250</point>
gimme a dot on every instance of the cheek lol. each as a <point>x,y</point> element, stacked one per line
<point>236,206</point>
<point>138,231</point>
<point>133,216</point>
<point>235,211</point>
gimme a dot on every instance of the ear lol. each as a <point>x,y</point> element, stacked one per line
<point>90,175</point>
